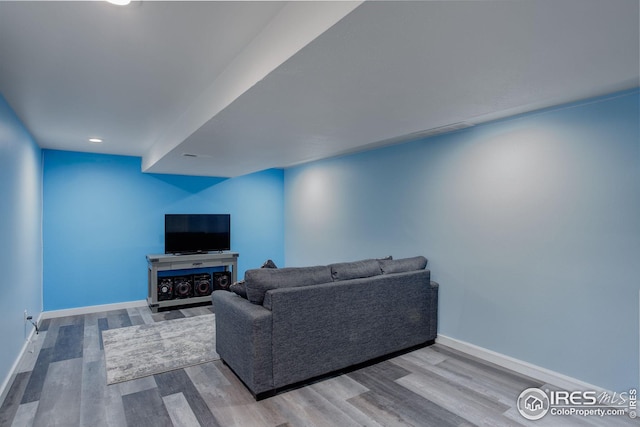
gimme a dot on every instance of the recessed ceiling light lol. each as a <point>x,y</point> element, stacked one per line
<point>199,156</point>
<point>95,140</point>
<point>119,2</point>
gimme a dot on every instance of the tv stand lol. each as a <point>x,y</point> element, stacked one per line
<point>167,262</point>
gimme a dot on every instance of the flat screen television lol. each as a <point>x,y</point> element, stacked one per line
<point>196,233</point>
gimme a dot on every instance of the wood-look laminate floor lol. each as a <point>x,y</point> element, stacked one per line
<point>61,381</point>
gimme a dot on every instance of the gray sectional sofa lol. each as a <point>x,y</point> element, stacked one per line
<point>300,323</point>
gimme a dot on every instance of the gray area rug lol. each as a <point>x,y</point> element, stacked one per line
<point>143,350</point>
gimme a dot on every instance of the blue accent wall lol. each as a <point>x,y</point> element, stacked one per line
<point>102,216</point>
<point>20,235</point>
<point>531,226</point>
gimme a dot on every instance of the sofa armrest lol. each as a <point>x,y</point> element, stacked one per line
<point>243,339</point>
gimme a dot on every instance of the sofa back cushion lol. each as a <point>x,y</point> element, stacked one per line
<point>355,269</point>
<point>403,264</point>
<point>260,280</point>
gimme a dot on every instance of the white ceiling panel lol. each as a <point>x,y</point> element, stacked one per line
<point>247,86</point>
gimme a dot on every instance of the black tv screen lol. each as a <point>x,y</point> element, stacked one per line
<point>194,233</point>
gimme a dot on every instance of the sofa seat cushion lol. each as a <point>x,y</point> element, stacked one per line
<point>259,281</point>
<point>355,269</point>
<point>402,265</point>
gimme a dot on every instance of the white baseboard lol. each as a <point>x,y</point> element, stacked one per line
<point>4,388</point>
<point>92,309</point>
<point>525,368</point>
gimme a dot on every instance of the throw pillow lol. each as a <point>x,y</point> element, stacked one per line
<point>355,270</point>
<point>269,264</point>
<point>239,288</point>
<point>402,265</point>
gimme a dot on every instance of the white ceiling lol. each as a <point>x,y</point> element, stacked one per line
<point>248,86</point>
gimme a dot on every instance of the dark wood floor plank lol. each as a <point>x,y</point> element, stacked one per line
<point>92,340</point>
<point>474,407</point>
<point>341,387</point>
<point>143,312</point>
<point>134,386</point>
<point>52,334</point>
<point>135,317</point>
<point>196,311</point>
<point>338,391</point>
<point>409,407</point>
<point>103,325</point>
<point>114,408</point>
<point>208,375</point>
<point>167,315</point>
<point>94,386</point>
<point>70,320</point>
<point>118,319</point>
<point>146,409</point>
<point>69,343</point>
<point>30,356</point>
<point>500,390</point>
<point>33,390</point>
<point>26,415</point>
<point>136,320</point>
<point>11,403</point>
<point>228,400</point>
<point>59,403</point>
<point>382,414</point>
<point>298,410</point>
<point>318,409</point>
<point>179,411</point>
<point>178,381</point>
<point>486,371</point>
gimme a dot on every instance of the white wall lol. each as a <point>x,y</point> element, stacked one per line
<point>20,236</point>
<point>531,226</point>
